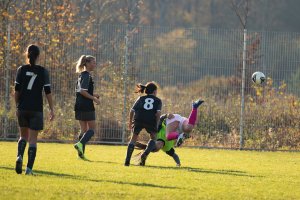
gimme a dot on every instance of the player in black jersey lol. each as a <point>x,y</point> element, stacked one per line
<point>84,105</point>
<point>145,113</point>
<point>31,80</point>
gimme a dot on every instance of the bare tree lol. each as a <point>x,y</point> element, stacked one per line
<point>241,9</point>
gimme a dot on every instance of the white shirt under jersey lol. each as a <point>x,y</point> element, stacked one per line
<point>179,119</point>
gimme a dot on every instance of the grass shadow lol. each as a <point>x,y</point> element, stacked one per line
<point>81,178</point>
<point>208,171</point>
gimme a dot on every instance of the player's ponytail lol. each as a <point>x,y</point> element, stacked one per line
<point>140,88</point>
<point>82,61</point>
<point>33,53</point>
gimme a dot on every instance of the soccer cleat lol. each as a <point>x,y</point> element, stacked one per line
<point>19,163</point>
<point>78,147</point>
<point>178,165</point>
<point>28,171</point>
<point>197,103</point>
<point>180,139</point>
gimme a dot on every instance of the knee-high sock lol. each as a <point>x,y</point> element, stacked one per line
<point>21,147</point>
<point>31,155</point>
<point>172,136</point>
<point>130,150</point>
<point>150,147</point>
<point>79,138</point>
<point>87,136</point>
<point>193,116</point>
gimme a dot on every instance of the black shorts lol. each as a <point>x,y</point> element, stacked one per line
<point>85,116</point>
<point>31,119</point>
<point>137,127</point>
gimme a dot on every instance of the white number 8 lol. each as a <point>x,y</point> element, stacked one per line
<point>148,103</point>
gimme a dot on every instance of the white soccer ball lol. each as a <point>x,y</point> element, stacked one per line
<point>258,77</point>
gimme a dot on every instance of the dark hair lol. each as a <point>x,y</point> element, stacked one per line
<point>32,53</point>
<point>149,88</point>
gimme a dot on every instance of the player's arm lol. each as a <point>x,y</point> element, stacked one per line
<point>47,90</point>
<point>89,96</point>
<point>158,114</point>
<point>18,86</point>
<point>84,88</point>
<point>131,114</point>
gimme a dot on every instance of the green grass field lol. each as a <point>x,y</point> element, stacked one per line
<point>205,174</point>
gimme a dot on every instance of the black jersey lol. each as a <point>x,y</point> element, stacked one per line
<point>84,82</point>
<point>145,109</point>
<point>30,82</point>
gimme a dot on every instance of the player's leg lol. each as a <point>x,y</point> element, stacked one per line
<point>23,122</point>
<point>31,150</point>
<point>87,122</point>
<point>24,132</point>
<point>150,146</point>
<point>89,133</point>
<point>172,153</point>
<point>131,144</point>
<point>83,129</point>
<point>188,127</point>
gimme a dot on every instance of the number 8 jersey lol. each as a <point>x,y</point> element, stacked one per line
<point>145,109</point>
<point>30,82</point>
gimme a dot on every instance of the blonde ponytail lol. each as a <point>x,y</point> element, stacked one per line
<point>80,64</point>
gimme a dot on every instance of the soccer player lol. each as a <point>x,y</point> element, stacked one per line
<point>84,105</point>
<point>172,122</point>
<point>182,124</point>
<point>31,80</point>
<point>145,113</point>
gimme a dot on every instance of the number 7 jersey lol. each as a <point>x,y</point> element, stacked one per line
<point>30,82</point>
<point>145,109</point>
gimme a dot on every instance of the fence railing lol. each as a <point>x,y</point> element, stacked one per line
<point>186,63</point>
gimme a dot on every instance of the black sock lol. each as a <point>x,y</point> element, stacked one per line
<point>150,147</point>
<point>31,155</point>
<point>176,158</point>
<point>21,147</point>
<point>79,138</point>
<point>130,150</point>
<point>87,136</point>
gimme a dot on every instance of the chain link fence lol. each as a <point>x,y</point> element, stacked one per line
<point>187,64</point>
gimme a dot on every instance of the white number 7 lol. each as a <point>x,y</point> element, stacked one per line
<point>33,76</point>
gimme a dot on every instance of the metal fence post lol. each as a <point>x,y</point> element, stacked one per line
<point>7,82</point>
<point>125,86</point>
<point>243,90</point>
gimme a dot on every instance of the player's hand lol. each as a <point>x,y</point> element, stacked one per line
<point>97,101</point>
<point>97,96</point>
<point>52,116</point>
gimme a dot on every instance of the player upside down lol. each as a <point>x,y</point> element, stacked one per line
<point>172,123</point>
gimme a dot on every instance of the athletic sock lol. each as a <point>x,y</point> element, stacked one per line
<point>176,158</point>
<point>83,145</point>
<point>130,150</point>
<point>87,136</point>
<point>150,147</point>
<point>31,155</point>
<point>172,136</point>
<point>21,147</point>
<point>193,116</point>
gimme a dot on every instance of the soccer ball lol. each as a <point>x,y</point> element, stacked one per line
<point>258,77</point>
